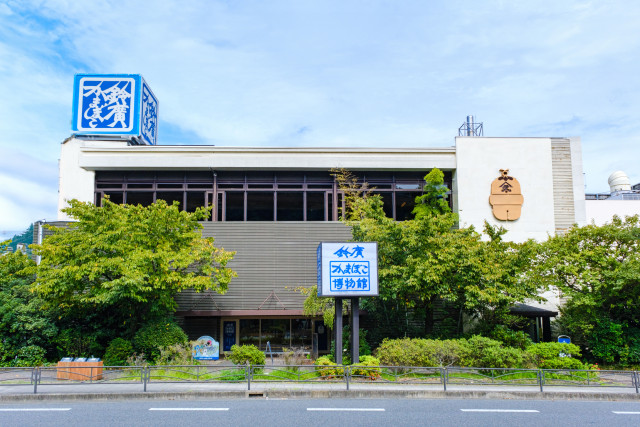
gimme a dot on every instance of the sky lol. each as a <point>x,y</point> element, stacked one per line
<point>375,73</point>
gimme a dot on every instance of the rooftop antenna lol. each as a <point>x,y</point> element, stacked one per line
<point>470,128</point>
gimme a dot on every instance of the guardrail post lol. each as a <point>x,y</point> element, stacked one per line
<point>146,374</point>
<point>637,379</point>
<point>541,380</point>
<point>346,375</point>
<point>247,373</point>
<point>35,376</point>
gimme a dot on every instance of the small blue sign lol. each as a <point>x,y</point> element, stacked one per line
<point>206,348</point>
<point>564,339</point>
<point>114,104</point>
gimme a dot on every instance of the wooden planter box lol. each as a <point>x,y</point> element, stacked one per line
<point>80,371</point>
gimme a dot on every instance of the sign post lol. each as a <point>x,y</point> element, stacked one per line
<point>348,270</point>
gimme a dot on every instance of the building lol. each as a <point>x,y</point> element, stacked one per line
<point>622,200</point>
<point>274,205</point>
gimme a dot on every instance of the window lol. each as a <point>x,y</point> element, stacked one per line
<point>259,206</point>
<point>290,206</point>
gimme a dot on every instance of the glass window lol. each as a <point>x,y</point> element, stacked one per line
<point>315,206</point>
<point>277,332</point>
<point>250,332</point>
<point>234,209</point>
<point>405,202</point>
<point>290,206</point>
<point>170,197</point>
<point>150,185</point>
<point>108,185</point>
<point>259,206</point>
<point>195,199</point>
<point>301,333</point>
<point>116,197</point>
<point>144,198</point>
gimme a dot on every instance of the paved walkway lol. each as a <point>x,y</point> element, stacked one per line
<point>158,390</point>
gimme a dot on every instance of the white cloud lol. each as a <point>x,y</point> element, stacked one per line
<point>330,73</point>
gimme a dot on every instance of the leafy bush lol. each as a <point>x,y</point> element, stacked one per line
<point>137,360</point>
<point>75,343</point>
<point>31,355</point>
<point>420,352</point>
<point>241,354</point>
<point>177,354</point>
<point>511,338</point>
<point>483,352</point>
<point>547,355</point>
<point>404,352</point>
<point>369,366</point>
<point>477,351</point>
<point>117,352</point>
<point>327,368</point>
<point>153,336</point>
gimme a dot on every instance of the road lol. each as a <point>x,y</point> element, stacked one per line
<point>322,412</point>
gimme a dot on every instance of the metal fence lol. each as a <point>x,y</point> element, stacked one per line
<point>327,374</point>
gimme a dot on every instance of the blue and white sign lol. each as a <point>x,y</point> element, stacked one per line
<point>206,348</point>
<point>114,104</point>
<point>348,269</point>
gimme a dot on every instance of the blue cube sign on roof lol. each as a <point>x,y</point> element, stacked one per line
<point>115,104</point>
<point>348,269</point>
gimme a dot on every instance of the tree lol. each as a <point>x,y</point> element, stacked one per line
<point>129,260</point>
<point>24,320</point>
<point>427,259</point>
<point>598,269</point>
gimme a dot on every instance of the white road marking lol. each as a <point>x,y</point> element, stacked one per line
<point>499,410</point>
<point>626,412</point>
<point>348,409</point>
<point>33,409</point>
<point>188,409</point>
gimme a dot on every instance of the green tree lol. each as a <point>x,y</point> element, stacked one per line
<point>427,259</point>
<point>24,319</point>
<point>597,268</point>
<point>129,260</point>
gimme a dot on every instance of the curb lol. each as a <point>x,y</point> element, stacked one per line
<point>322,394</point>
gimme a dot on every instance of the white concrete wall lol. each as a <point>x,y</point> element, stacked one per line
<point>578,181</point>
<point>602,211</point>
<point>479,161</point>
<point>76,182</point>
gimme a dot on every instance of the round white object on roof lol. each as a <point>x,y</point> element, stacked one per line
<point>619,181</point>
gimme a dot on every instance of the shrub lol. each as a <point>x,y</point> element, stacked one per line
<point>117,352</point>
<point>177,354</point>
<point>404,352</point>
<point>75,343</point>
<point>420,352</point>
<point>31,355</point>
<point>547,355</point>
<point>369,366</point>
<point>482,352</point>
<point>327,368</point>
<point>510,338</point>
<point>241,354</point>
<point>153,336</point>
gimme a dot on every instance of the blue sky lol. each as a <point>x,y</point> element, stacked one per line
<point>322,73</point>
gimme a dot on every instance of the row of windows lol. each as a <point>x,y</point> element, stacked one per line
<point>251,197</point>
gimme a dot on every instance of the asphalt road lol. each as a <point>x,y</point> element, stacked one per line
<point>322,412</point>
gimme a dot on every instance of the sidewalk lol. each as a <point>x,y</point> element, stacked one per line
<point>189,391</point>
